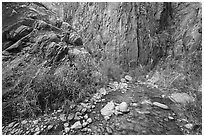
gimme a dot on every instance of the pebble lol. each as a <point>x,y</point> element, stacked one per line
<point>103,91</point>
<point>171,118</point>
<point>134,104</point>
<point>63,117</point>
<point>70,116</point>
<point>37,133</point>
<point>89,120</point>
<point>59,111</point>
<point>123,107</point>
<point>27,132</point>
<point>129,78</point>
<point>16,125</point>
<point>79,108</point>
<point>84,110</point>
<point>84,129</point>
<point>160,105</point>
<point>86,116</point>
<point>93,106</point>
<point>24,122</point>
<point>37,129</point>
<point>67,129</point>
<point>188,126</point>
<point>123,80</point>
<point>85,124</point>
<point>66,124</point>
<point>109,130</point>
<point>11,124</point>
<point>50,127</point>
<point>35,122</point>
<point>76,125</point>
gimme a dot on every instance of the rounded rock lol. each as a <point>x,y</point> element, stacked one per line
<point>129,78</point>
<point>66,124</point>
<point>123,107</point>
<point>70,116</point>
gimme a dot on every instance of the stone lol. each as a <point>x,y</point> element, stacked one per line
<point>63,117</point>
<point>67,129</point>
<point>188,126</point>
<point>103,91</point>
<point>171,118</point>
<point>79,108</point>
<point>108,109</point>
<point>84,124</point>
<point>123,107</point>
<point>182,98</point>
<point>16,125</point>
<point>70,116</point>
<point>59,111</point>
<point>123,80</point>
<point>128,78</point>
<point>24,122</point>
<point>86,116</point>
<point>77,116</point>
<point>27,132</point>
<point>37,129</point>
<point>109,130</point>
<point>76,125</point>
<point>37,133</point>
<point>93,106</point>
<point>66,124</point>
<point>84,129</point>
<point>35,122</point>
<point>160,105</point>
<point>11,124</point>
<point>50,127</point>
<point>123,86</point>
<point>83,110</point>
<point>89,120</point>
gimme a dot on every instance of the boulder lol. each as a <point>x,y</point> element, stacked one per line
<point>66,26</point>
<point>108,110</point>
<point>19,32</point>
<point>182,98</point>
<point>75,39</point>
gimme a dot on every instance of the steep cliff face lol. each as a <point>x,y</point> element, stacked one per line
<point>130,34</point>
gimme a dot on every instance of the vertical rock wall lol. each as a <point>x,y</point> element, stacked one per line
<point>131,34</point>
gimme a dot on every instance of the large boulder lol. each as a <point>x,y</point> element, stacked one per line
<point>19,32</point>
<point>181,98</point>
